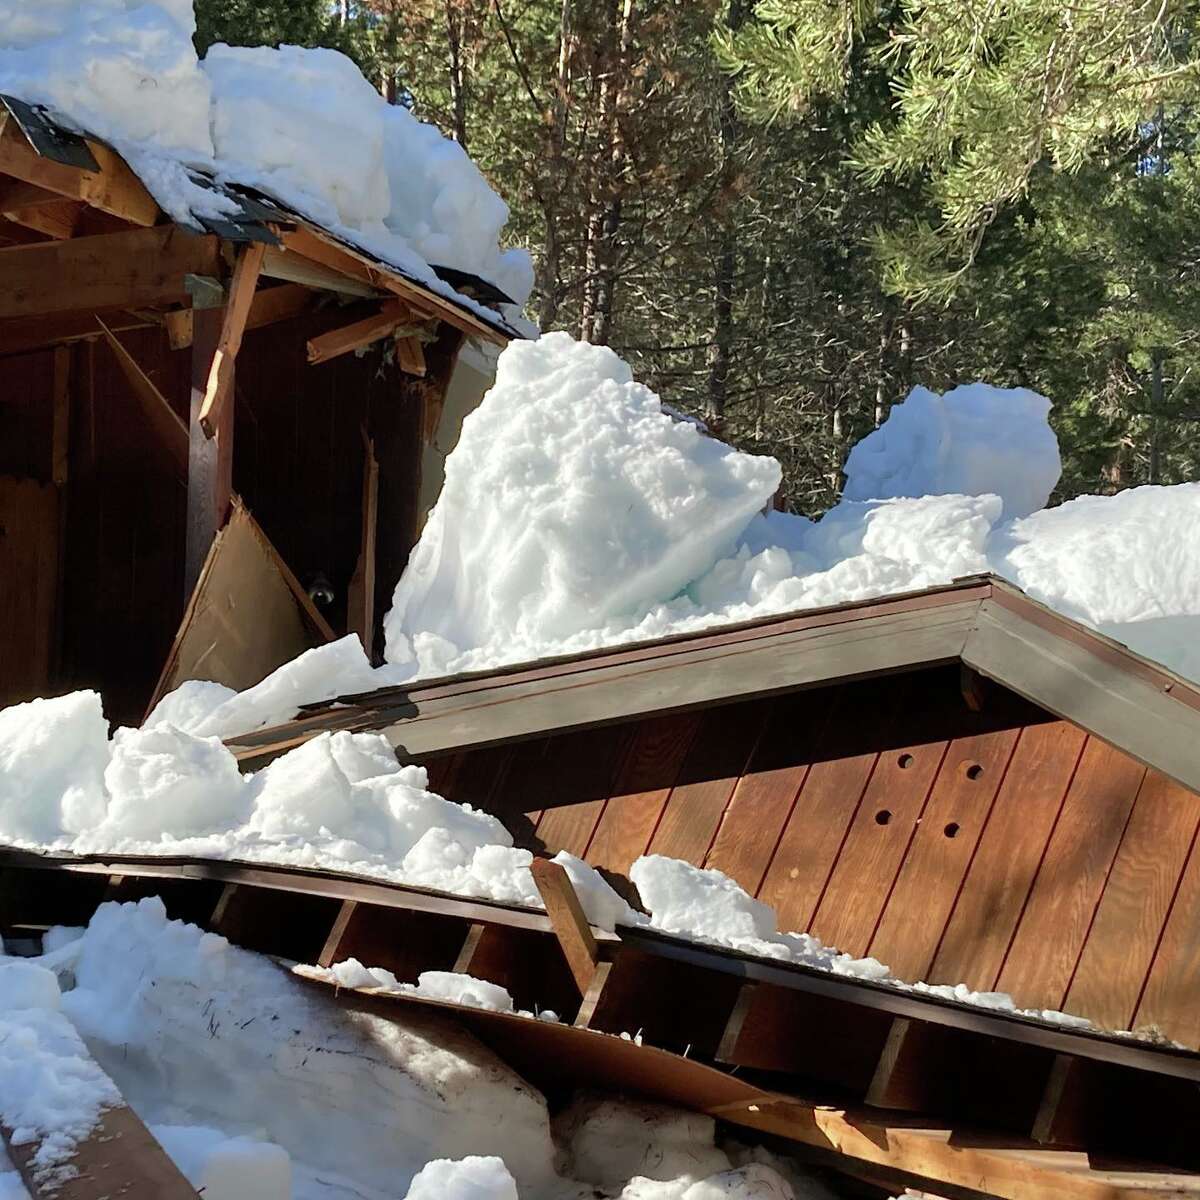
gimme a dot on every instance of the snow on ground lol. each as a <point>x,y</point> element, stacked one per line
<point>277,119</point>
<point>261,1089</point>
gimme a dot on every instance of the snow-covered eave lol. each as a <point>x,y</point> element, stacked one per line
<point>982,622</point>
<point>36,151</point>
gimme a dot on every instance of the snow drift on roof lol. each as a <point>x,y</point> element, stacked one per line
<point>302,125</point>
<point>575,515</point>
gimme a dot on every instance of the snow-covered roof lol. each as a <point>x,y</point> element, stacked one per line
<point>984,622</point>
<point>242,213</point>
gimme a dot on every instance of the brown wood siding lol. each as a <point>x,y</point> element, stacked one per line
<point>1000,849</point>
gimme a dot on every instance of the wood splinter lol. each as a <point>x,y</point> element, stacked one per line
<point>237,311</point>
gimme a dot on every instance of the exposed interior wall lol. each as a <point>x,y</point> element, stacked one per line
<point>1003,849</point>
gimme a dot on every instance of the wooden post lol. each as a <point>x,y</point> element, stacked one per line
<point>568,919</point>
<point>210,460</point>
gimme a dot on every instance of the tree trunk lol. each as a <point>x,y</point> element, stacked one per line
<point>720,348</point>
<point>1156,401</point>
<point>549,284</point>
<point>458,71</point>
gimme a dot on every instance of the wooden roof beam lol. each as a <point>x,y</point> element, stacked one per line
<point>268,306</point>
<point>320,249</point>
<point>237,312</point>
<point>135,268</point>
<point>391,315</point>
<point>113,189</point>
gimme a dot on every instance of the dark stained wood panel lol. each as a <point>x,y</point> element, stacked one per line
<point>941,849</point>
<point>631,814</point>
<point>862,878</point>
<point>993,895</point>
<point>764,797</point>
<point>1072,876</point>
<point>1167,1006</point>
<point>724,742</point>
<point>1133,909</point>
<point>28,586</point>
<point>825,808</point>
<point>571,782</point>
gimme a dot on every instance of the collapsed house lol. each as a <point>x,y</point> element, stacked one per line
<point>232,428</point>
<point>158,379</point>
<point>972,789</point>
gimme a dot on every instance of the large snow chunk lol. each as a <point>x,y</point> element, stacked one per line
<point>171,1010</point>
<point>571,498</point>
<point>473,1178</point>
<point>165,784</point>
<point>52,759</point>
<point>335,669</point>
<point>446,211</point>
<point>124,70</point>
<point>705,904</point>
<point>1127,564</point>
<point>227,1168</point>
<point>974,439</point>
<point>325,142</point>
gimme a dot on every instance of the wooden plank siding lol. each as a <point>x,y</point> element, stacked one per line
<point>1016,852</point>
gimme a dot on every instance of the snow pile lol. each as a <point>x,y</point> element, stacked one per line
<point>973,440</point>
<point>302,125</point>
<point>340,801</point>
<point>571,499</point>
<point>577,515</point>
<point>261,1089</point>
<point>51,1091</point>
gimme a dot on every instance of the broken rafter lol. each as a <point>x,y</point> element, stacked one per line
<point>237,311</point>
<point>362,333</point>
<point>114,189</point>
<point>410,356</point>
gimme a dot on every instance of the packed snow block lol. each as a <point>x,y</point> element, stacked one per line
<point>53,754</point>
<point>473,1178</point>
<point>973,440</point>
<point>571,498</point>
<point>1128,564</point>
<point>123,70</point>
<point>325,142</point>
<point>445,210</point>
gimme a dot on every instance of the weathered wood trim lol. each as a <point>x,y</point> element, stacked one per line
<point>1072,681</point>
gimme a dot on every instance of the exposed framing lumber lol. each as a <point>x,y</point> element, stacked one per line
<point>18,335</point>
<point>56,217</point>
<point>410,356</point>
<point>119,1158</point>
<point>237,310</point>
<point>322,249</point>
<point>355,336</point>
<point>115,189</point>
<point>268,306</point>
<point>136,268</point>
<point>568,920</point>
<point>296,268</point>
<point>167,424</point>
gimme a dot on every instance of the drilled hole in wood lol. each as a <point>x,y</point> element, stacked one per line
<point>882,817</point>
<point>951,830</point>
<point>974,771</point>
<point>904,761</point>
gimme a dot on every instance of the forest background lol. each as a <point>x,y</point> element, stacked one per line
<point>786,214</point>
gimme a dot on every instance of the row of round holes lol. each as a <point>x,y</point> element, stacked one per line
<point>883,816</point>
